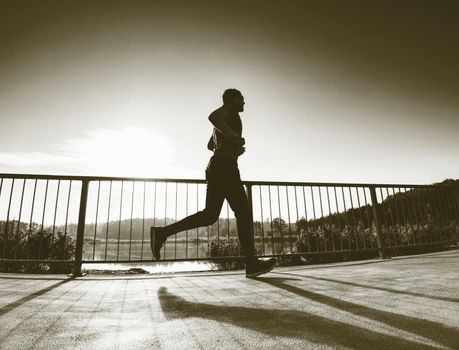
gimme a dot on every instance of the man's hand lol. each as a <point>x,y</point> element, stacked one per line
<point>239,141</point>
<point>217,118</point>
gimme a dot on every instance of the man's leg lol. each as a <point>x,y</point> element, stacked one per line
<point>237,199</point>
<point>206,217</point>
<point>210,214</point>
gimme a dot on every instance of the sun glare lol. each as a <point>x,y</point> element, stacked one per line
<point>130,151</point>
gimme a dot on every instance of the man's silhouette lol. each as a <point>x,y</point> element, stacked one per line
<point>223,182</point>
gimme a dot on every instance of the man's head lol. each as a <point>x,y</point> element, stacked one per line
<point>233,100</point>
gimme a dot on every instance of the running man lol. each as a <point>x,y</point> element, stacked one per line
<point>223,182</point>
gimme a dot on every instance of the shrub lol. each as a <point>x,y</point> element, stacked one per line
<point>226,247</point>
<point>17,243</point>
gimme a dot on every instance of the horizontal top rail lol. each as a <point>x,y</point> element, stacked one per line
<point>201,181</point>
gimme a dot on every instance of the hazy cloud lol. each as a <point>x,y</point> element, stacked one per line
<point>130,151</point>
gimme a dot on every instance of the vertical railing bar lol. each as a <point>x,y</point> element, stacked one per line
<point>448,196</point>
<point>186,232</point>
<point>271,220</point>
<point>108,218</point>
<point>1,188</point>
<point>95,224</point>
<point>218,231</point>
<point>262,223</point>
<point>394,200</point>
<point>208,239</point>
<point>314,216</point>
<point>119,223</point>
<point>165,217</point>
<point>176,204</point>
<point>409,223</point>
<point>143,221</point>
<point>280,218</point>
<point>81,228</point>
<point>361,218</point>
<point>448,207</point>
<point>379,235</point>
<point>132,212</point>
<point>43,220</point>
<point>289,219</point>
<point>66,215</point>
<point>401,204</point>
<point>403,213</point>
<point>353,220</point>
<point>154,207</point>
<point>250,203</point>
<point>433,211</point>
<point>407,196</point>
<point>7,220</point>
<point>368,215</point>
<point>228,221</point>
<point>18,239</point>
<point>346,219</point>
<point>323,219</point>
<point>306,217</point>
<point>390,209</point>
<point>197,228</point>
<point>443,209</point>
<point>384,215</point>
<point>297,215</point>
<point>445,203</point>
<point>31,216</point>
<point>338,218</point>
<point>417,200</point>
<point>440,205</point>
<point>416,221</point>
<point>392,227</point>
<point>305,206</point>
<point>439,210</point>
<point>330,220</point>
<point>55,215</point>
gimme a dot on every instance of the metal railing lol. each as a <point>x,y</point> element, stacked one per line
<point>73,219</point>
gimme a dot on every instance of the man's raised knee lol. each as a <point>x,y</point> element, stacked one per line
<point>211,217</point>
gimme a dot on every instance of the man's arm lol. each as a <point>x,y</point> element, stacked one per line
<point>217,119</point>
<point>211,144</point>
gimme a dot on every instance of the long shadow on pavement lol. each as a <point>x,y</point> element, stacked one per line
<point>435,297</point>
<point>9,307</point>
<point>437,332</point>
<point>284,323</point>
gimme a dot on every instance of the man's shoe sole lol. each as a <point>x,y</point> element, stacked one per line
<point>258,273</point>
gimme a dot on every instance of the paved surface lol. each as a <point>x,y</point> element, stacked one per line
<point>402,303</point>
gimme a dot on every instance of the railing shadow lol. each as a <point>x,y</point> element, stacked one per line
<point>434,331</point>
<point>389,290</point>
<point>9,307</point>
<point>292,323</point>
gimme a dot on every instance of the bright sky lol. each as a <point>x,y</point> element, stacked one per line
<point>362,93</point>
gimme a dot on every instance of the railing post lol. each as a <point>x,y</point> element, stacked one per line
<point>249,199</point>
<point>80,229</point>
<point>456,195</point>
<point>379,235</point>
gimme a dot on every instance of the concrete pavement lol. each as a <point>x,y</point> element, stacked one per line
<point>401,303</point>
